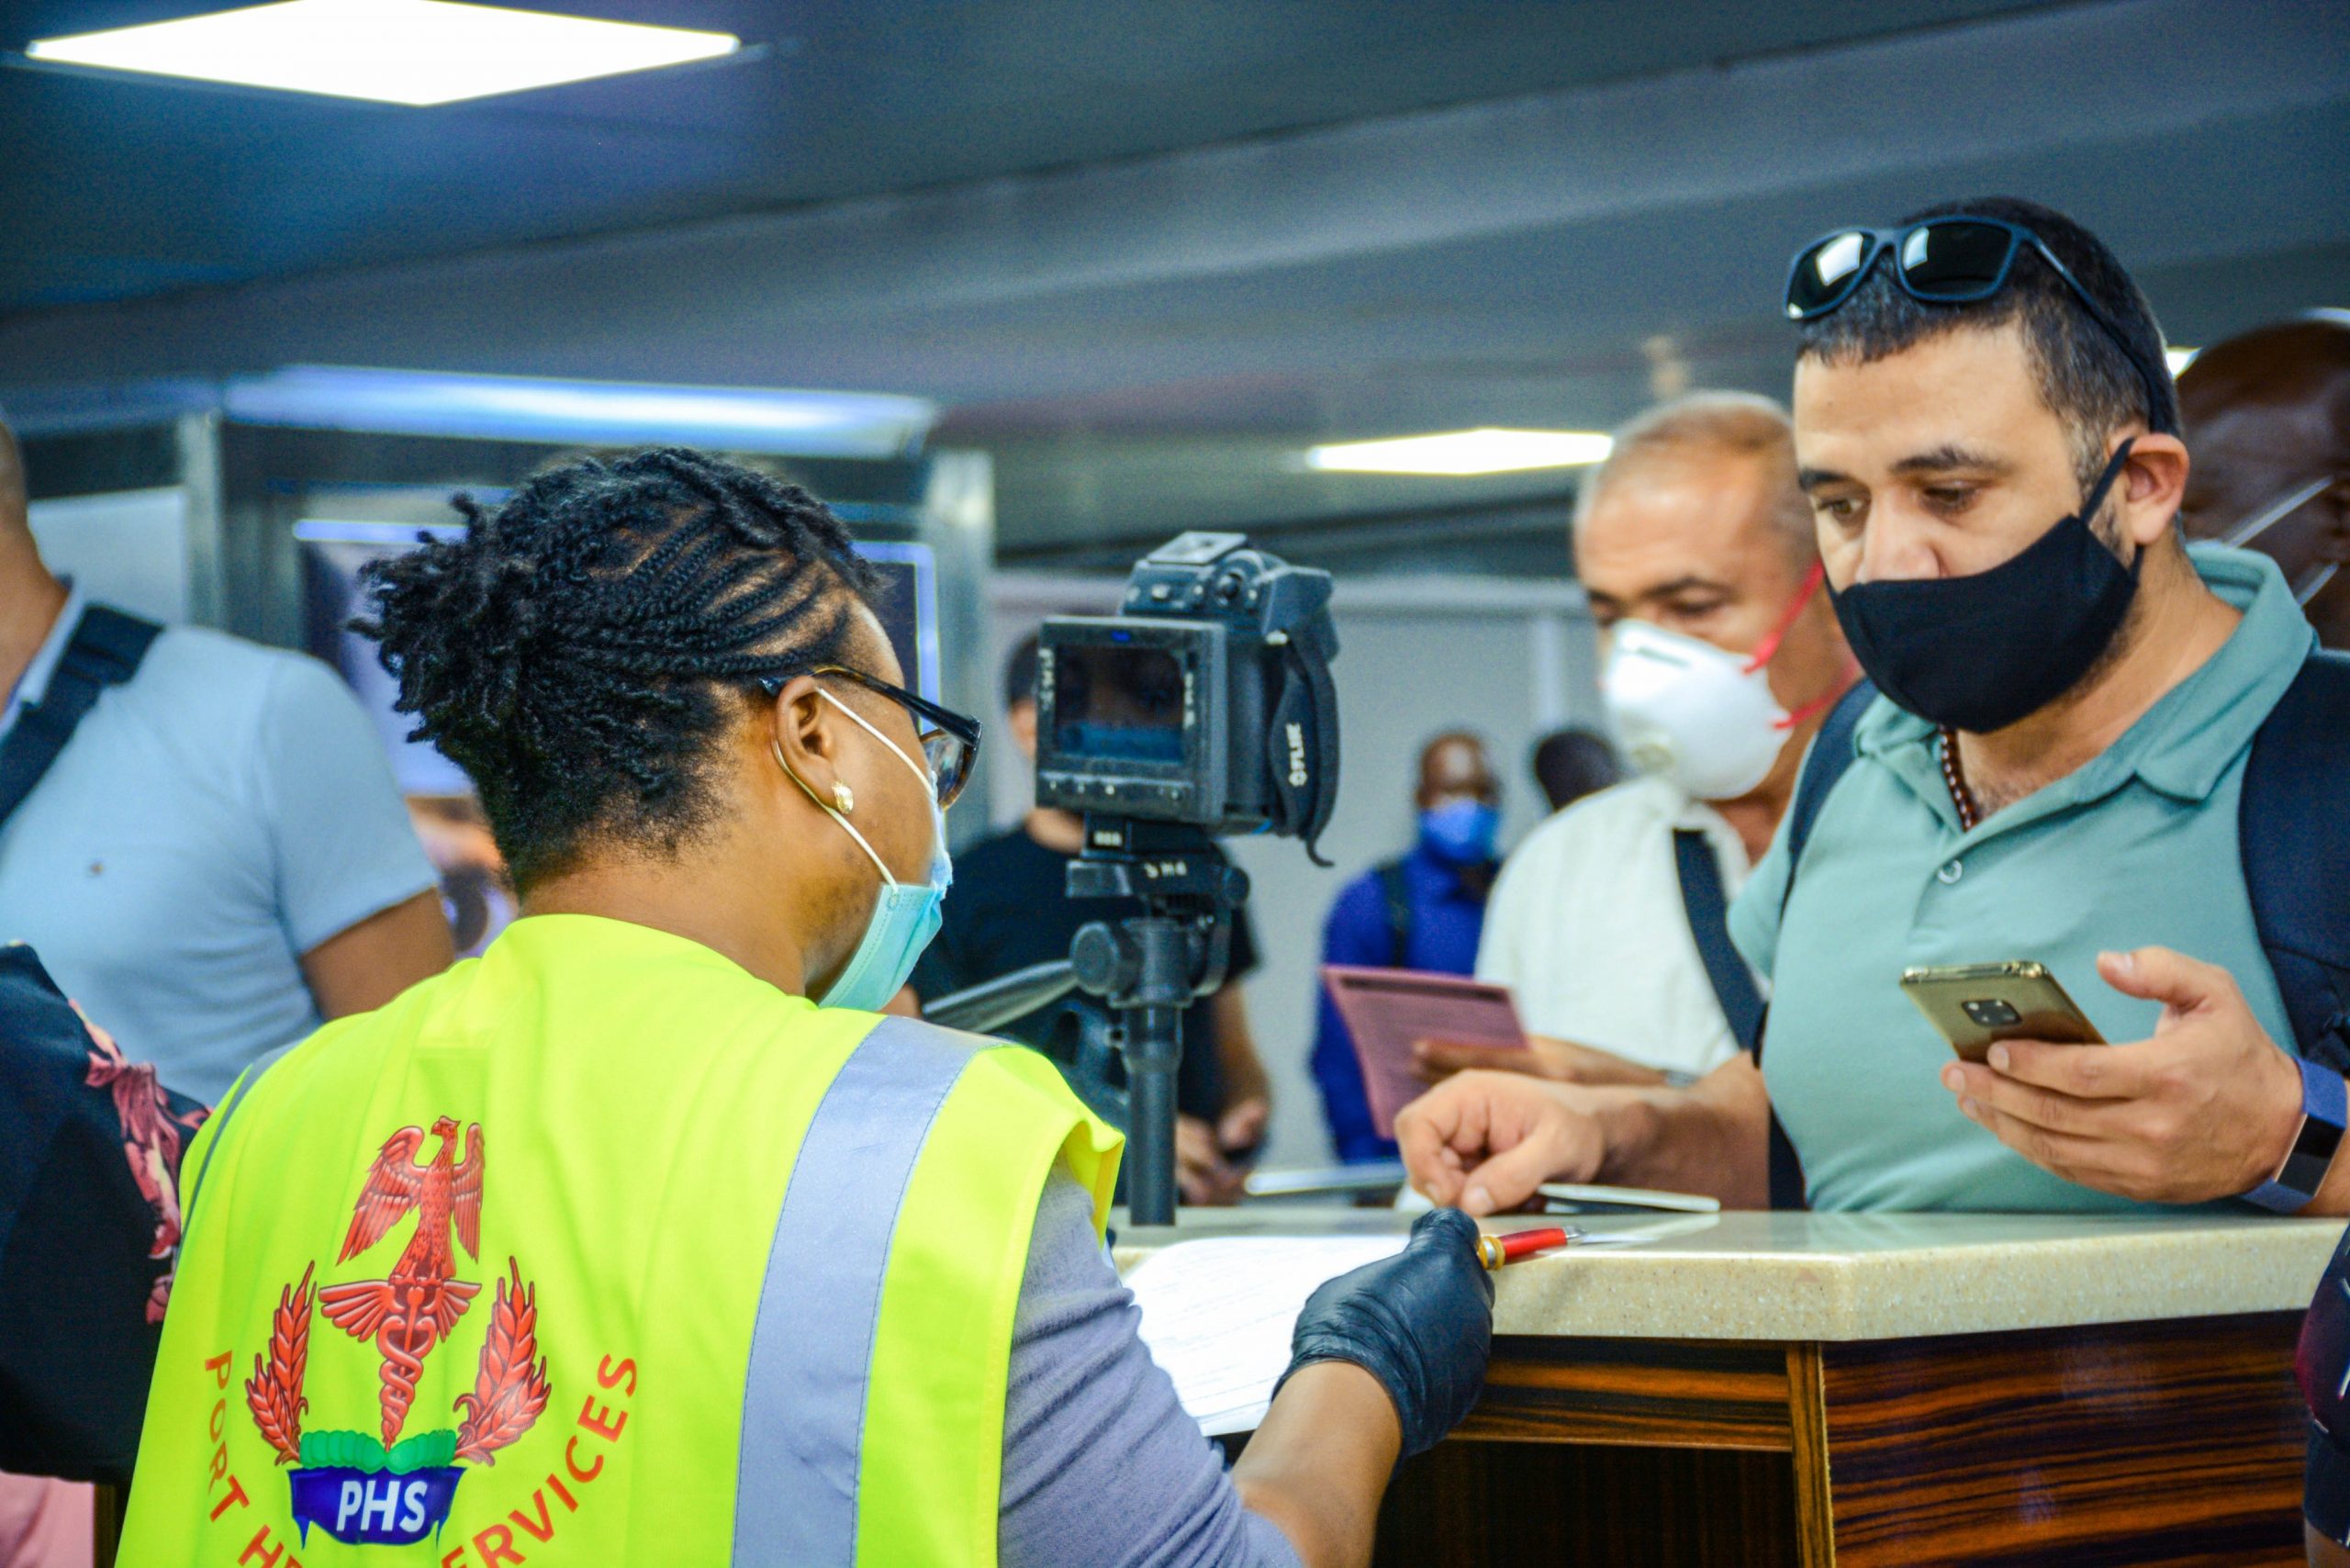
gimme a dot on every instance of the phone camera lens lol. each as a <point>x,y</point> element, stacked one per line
<point>1990,1012</point>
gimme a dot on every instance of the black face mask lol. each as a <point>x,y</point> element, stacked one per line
<point>1979,653</point>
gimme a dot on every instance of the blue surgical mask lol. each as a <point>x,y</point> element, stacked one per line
<point>905,915</point>
<point>1461,831</point>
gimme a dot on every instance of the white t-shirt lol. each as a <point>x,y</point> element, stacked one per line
<point>1587,927</point>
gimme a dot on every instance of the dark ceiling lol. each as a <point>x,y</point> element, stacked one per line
<point>141,185</point>
<point>1144,252</point>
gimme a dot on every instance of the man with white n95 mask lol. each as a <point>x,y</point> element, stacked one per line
<point>1722,654</point>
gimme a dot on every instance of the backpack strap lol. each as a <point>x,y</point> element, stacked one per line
<point>1708,911</point>
<point>1396,893</point>
<point>2294,833</point>
<point>1831,752</point>
<point>105,650</point>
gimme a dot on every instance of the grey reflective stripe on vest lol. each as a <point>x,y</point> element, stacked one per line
<point>803,1403</point>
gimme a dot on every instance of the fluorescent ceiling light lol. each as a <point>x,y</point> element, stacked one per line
<point>2179,359</point>
<point>396,51</point>
<point>594,413</point>
<point>1484,451</point>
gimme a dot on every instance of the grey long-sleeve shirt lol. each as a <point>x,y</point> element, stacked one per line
<point>1101,1467</point>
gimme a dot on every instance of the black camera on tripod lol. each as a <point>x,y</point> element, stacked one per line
<point>1206,702</point>
<point>1203,707</point>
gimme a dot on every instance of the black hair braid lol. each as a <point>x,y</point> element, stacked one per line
<point>572,651</point>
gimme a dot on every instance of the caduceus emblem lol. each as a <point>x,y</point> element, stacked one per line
<point>415,1307</point>
<point>396,1492</point>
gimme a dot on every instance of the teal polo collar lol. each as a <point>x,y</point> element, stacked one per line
<point>2186,743</point>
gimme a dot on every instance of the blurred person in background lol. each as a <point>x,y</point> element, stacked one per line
<point>2267,416</point>
<point>1572,763</point>
<point>475,893</point>
<point>1695,548</point>
<point>216,859</point>
<point>1421,911</point>
<point>1009,911</point>
<point>201,840</point>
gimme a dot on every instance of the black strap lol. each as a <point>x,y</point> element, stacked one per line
<point>104,651</point>
<point>2293,831</point>
<point>1734,988</point>
<point>1397,895</point>
<point>1831,752</point>
<point>1709,912</point>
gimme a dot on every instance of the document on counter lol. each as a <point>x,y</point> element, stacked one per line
<point>1217,1315</point>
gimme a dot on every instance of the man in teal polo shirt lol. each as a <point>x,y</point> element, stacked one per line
<point>2053,772</point>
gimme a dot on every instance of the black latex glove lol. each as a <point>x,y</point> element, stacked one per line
<point>1421,1322</point>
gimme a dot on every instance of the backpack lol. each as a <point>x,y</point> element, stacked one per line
<point>2293,829</point>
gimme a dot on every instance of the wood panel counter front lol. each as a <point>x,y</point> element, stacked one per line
<point>1870,1389</point>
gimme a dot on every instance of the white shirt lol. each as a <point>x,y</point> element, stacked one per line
<point>1587,927</point>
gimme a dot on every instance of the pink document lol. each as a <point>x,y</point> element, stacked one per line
<point>1387,1010</point>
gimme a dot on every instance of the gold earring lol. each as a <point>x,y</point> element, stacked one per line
<point>841,799</point>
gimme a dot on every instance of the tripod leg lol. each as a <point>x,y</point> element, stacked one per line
<point>1154,1048</point>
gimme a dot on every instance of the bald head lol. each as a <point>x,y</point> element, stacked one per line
<point>1736,449</point>
<point>2268,417</point>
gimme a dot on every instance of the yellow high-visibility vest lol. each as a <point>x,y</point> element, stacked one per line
<point>597,1249</point>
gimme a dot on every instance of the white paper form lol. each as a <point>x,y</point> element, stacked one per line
<point>1217,1315</point>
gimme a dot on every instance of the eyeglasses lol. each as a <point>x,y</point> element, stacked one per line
<point>950,743</point>
<point>1944,261</point>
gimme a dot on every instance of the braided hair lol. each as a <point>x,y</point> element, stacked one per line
<point>572,650</point>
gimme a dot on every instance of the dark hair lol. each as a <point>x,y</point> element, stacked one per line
<point>569,650</point>
<point>2084,376</point>
<point>1571,764</point>
<point>1019,671</point>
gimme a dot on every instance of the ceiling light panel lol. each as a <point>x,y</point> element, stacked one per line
<point>395,51</point>
<point>1461,452</point>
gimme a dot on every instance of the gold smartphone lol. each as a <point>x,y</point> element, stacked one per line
<point>1975,1005</point>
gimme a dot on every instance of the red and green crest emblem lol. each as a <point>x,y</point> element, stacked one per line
<point>393,1490</point>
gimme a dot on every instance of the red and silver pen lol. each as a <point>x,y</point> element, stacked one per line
<point>1495,1251</point>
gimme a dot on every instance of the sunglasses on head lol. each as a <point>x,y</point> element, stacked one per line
<point>1942,261</point>
<point>950,741</point>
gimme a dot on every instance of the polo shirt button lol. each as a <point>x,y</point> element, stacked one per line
<point>1950,872</point>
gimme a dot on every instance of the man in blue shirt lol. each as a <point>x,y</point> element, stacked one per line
<point>217,861</point>
<point>1423,912</point>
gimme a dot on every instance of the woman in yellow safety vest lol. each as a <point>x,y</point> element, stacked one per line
<point>646,1237</point>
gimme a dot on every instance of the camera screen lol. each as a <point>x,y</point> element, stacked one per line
<point>1117,704</point>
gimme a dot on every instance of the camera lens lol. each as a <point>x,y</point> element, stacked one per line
<point>1991,1012</point>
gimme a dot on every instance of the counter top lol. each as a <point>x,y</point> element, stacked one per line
<point>1852,1276</point>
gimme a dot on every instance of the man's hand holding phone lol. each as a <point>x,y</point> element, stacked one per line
<point>2205,1109</point>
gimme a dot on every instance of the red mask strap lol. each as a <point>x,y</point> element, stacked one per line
<point>1819,704</point>
<point>1768,648</point>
